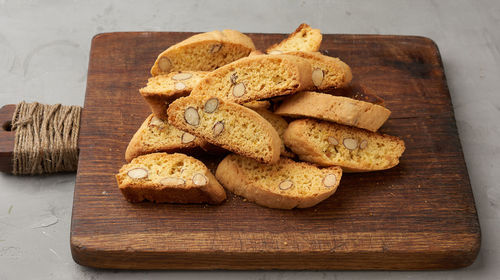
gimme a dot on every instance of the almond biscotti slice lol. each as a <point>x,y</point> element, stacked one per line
<point>337,109</point>
<point>155,135</point>
<point>285,185</point>
<point>304,38</point>
<point>175,178</point>
<point>327,72</point>
<point>161,90</point>
<point>279,124</point>
<point>354,149</point>
<point>204,52</point>
<point>257,77</point>
<point>228,125</point>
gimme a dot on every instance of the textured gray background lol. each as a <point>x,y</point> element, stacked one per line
<point>44,51</point>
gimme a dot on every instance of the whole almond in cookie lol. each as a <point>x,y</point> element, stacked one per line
<point>182,76</point>
<point>285,185</point>
<point>239,90</point>
<point>191,116</point>
<point>317,77</point>
<point>165,64</point>
<point>200,179</point>
<point>187,138</point>
<point>350,143</point>
<point>172,181</point>
<point>330,180</point>
<point>138,173</point>
<point>211,105</point>
<point>218,128</point>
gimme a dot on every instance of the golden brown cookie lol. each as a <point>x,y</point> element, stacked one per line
<point>228,125</point>
<point>342,110</point>
<point>175,178</point>
<point>285,185</point>
<point>204,52</point>
<point>354,149</point>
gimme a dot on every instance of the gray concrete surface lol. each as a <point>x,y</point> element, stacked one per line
<point>44,51</point>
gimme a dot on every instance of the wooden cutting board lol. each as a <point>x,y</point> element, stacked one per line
<point>418,215</point>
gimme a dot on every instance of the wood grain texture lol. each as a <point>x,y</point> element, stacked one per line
<point>418,215</point>
<point>7,138</point>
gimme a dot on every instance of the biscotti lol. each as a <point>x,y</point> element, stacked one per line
<point>155,135</point>
<point>228,125</point>
<point>337,109</point>
<point>279,124</point>
<point>257,77</point>
<point>354,149</point>
<point>204,52</point>
<point>258,104</point>
<point>161,90</point>
<point>285,185</point>
<point>175,178</point>
<point>327,72</point>
<point>304,38</point>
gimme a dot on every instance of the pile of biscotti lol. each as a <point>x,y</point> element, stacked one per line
<point>283,118</point>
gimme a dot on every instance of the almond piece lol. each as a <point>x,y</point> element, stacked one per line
<point>363,144</point>
<point>200,179</point>
<point>317,77</point>
<point>275,52</point>
<point>330,180</point>
<point>233,78</point>
<point>182,76</point>
<point>350,143</point>
<point>286,184</point>
<point>215,48</point>
<point>187,138</point>
<point>179,86</point>
<point>191,116</point>
<point>239,90</point>
<point>332,140</point>
<point>156,122</point>
<point>138,173</point>
<point>218,128</point>
<point>211,105</point>
<point>165,64</point>
<point>172,181</point>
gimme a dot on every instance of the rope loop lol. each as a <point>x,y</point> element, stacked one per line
<point>46,138</point>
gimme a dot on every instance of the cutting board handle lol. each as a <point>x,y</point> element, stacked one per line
<point>7,138</point>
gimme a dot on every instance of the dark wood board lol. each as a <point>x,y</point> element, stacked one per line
<point>418,215</point>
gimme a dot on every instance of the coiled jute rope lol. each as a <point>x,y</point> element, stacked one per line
<point>46,138</point>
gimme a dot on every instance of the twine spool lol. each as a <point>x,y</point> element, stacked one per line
<point>46,138</point>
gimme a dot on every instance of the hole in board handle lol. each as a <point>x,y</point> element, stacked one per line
<point>7,126</point>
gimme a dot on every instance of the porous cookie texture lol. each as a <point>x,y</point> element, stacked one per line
<point>155,135</point>
<point>285,185</point>
<point>279,124</point>
<point>327,72</point>
<point>228,125</point>
<point>257,77</point>
<point>175,178</point>
<point>304,38</point>
<point>354,149</point>
<point>161,90</point>
<point>204,52</point>
<point>258,104</point>
<point>342,110</point>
